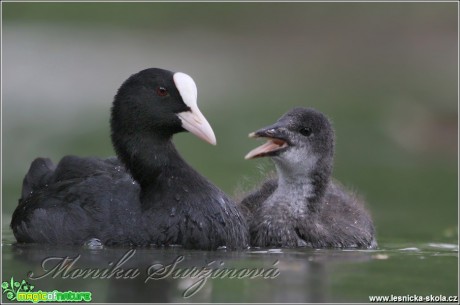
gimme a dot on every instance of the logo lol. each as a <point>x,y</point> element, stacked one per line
<point>23,292</point>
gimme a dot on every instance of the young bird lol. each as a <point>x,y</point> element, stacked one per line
<point>304,207</point>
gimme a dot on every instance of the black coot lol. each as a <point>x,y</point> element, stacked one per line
<point>303,207</point>
<point>148,195</point>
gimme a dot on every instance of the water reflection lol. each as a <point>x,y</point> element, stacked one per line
<point>284,275</point>
<point>305,275</point>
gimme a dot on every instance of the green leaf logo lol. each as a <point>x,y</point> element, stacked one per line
<point>12,288</point>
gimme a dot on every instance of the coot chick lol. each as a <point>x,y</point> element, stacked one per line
<point>304,207</point>
<point>148,195</point>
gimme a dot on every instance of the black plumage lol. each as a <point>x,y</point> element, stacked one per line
<point>304,206</point>
<point>148,195</point>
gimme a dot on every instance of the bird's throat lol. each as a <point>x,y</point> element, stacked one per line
<point>304,188</point>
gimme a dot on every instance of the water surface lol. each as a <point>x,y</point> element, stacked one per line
<point>254,275</point>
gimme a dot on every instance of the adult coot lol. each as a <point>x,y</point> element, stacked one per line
<point>148,195</point>
<point>303,207</point>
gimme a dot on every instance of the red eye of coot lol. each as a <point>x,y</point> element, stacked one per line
<point>162,91</point>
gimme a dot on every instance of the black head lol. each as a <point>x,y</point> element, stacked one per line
<point>158,103</point>
<point>301,135</point>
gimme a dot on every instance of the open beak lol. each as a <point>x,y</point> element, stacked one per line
<point>276,142</point>
<point>195,122</point>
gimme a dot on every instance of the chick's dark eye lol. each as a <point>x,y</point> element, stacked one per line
<point>162,91</point>
<point>306,131</point>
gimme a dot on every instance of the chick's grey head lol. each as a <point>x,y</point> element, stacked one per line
<point>301,140</point>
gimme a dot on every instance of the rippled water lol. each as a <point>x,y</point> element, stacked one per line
<point>255,275</point>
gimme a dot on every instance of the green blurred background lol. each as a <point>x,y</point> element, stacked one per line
<point>385,73</point>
